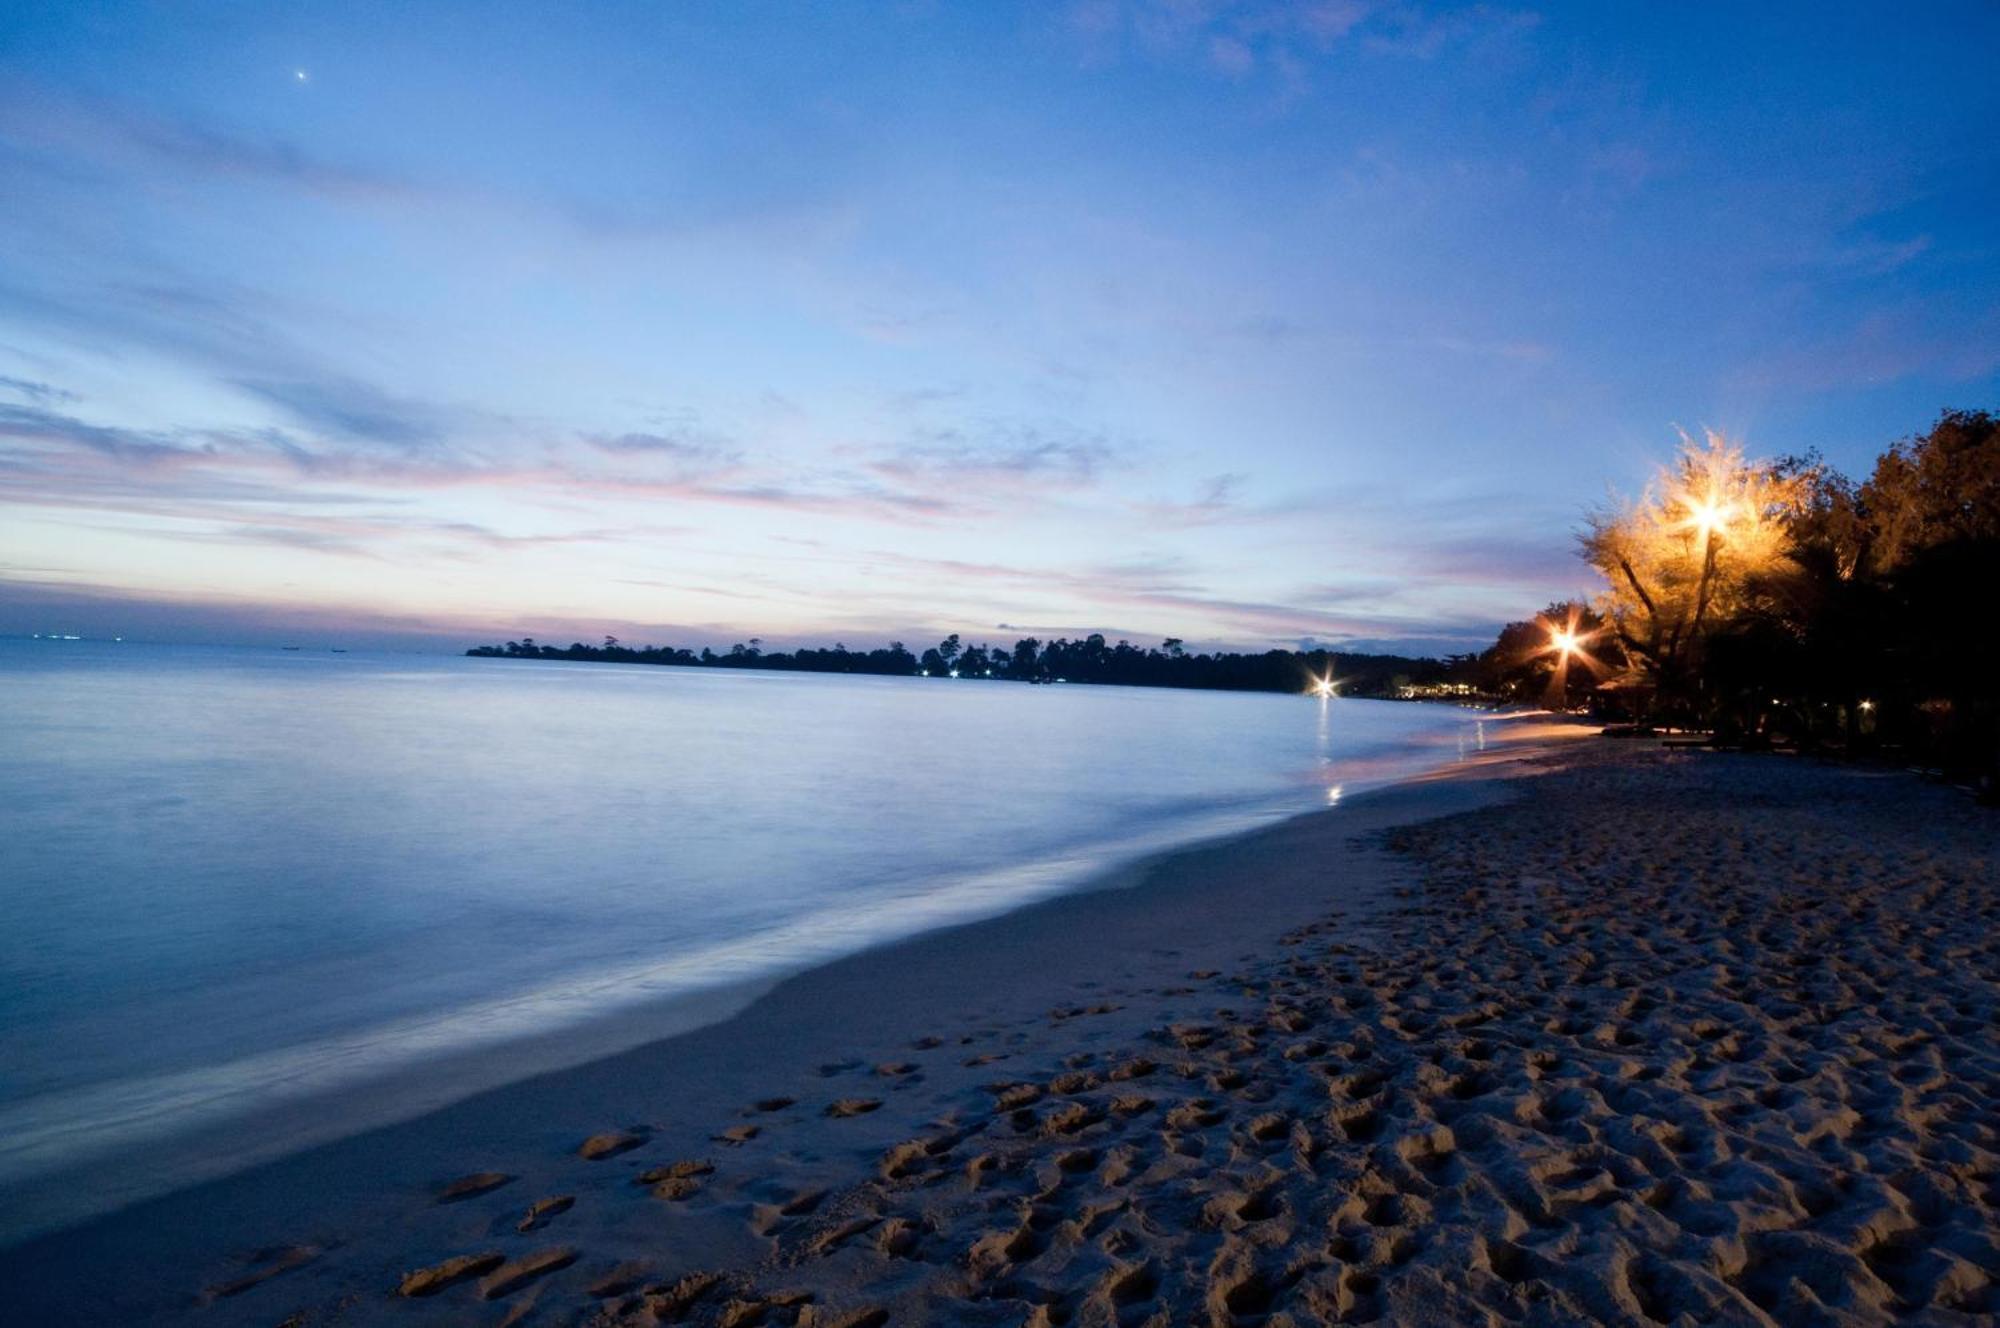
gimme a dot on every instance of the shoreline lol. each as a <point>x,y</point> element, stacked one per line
<point>354,1172</point>
<point>145,1162</point>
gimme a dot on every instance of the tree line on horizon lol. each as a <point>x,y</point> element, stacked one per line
<point>1782,601</point>
<point>1090,659</point>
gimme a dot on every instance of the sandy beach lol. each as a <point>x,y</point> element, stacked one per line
<point>1603,1033</point>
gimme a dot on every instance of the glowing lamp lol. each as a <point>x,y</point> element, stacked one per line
<point>1707,515</point>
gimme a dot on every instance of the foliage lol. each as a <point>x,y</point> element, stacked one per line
<point>1557,658</point>
<point>1684,558</point>
<point>1089,660</point>
<point>1782,601</point>
<point>1939,490</point>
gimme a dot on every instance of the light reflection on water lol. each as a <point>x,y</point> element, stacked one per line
<point>237,877</point>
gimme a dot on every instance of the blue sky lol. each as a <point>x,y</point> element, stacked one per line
<point>1251,324</point>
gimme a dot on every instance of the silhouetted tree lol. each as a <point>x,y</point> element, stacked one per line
<point>1090,660</point>
<point>1557,658</point>
<point>1680,561</point>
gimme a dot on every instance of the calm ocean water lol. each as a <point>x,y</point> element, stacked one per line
<point>232,878</point>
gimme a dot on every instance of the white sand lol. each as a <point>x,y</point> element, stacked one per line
<point>1671,1038</point>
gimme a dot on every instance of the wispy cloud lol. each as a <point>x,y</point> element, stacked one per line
<point>389,538</point>
<point>1217,499</point>
<point>1238,39</point>
<point>1895,343</point>
<point>217,326</point>
<point>291,537</point>
<point>42,394</point>
<point>1232,36</point>
<point>344,408</point>
<point>73,130</point>
<point>684,442</point>
<point>65,460</point>
<point>1426,31</point>
<point>1523,563</point>
<point>1875,256</point>
<point>1163,591</point>
<point>1013,454</point>
<point>34,424</point>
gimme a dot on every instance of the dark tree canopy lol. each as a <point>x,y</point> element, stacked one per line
<point>1559,658</point>
<point>1861,622</point>
<point>1090,660</point>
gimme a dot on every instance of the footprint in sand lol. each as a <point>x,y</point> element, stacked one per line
<point>465,1187</point>
<point>676,1188</point>
<point>609,1144</point>
<point>429,1281</point>
<point>898,1238</point>
<point>272,1263</point>
<point>769,1218</point>
<point>511,1276</point>
<point>542,1211</point>
<point>826,1242</point>
<point>621,1280</point>
<point>852,1106</point>
<point>861,1318</point>
<point>684,1169</point>
<point>1012,1097</point>
<point>1070,1118</point>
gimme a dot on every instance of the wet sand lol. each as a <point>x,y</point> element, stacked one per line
<point>1605,1034</point>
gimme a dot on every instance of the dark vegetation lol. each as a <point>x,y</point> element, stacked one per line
<point>1875,628</point>
<point>1089,660</point>
<point>1782,603</point>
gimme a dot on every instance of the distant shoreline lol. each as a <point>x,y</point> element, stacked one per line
<point>1090,661</point>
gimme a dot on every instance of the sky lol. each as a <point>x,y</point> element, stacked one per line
<point>1251,324</point>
